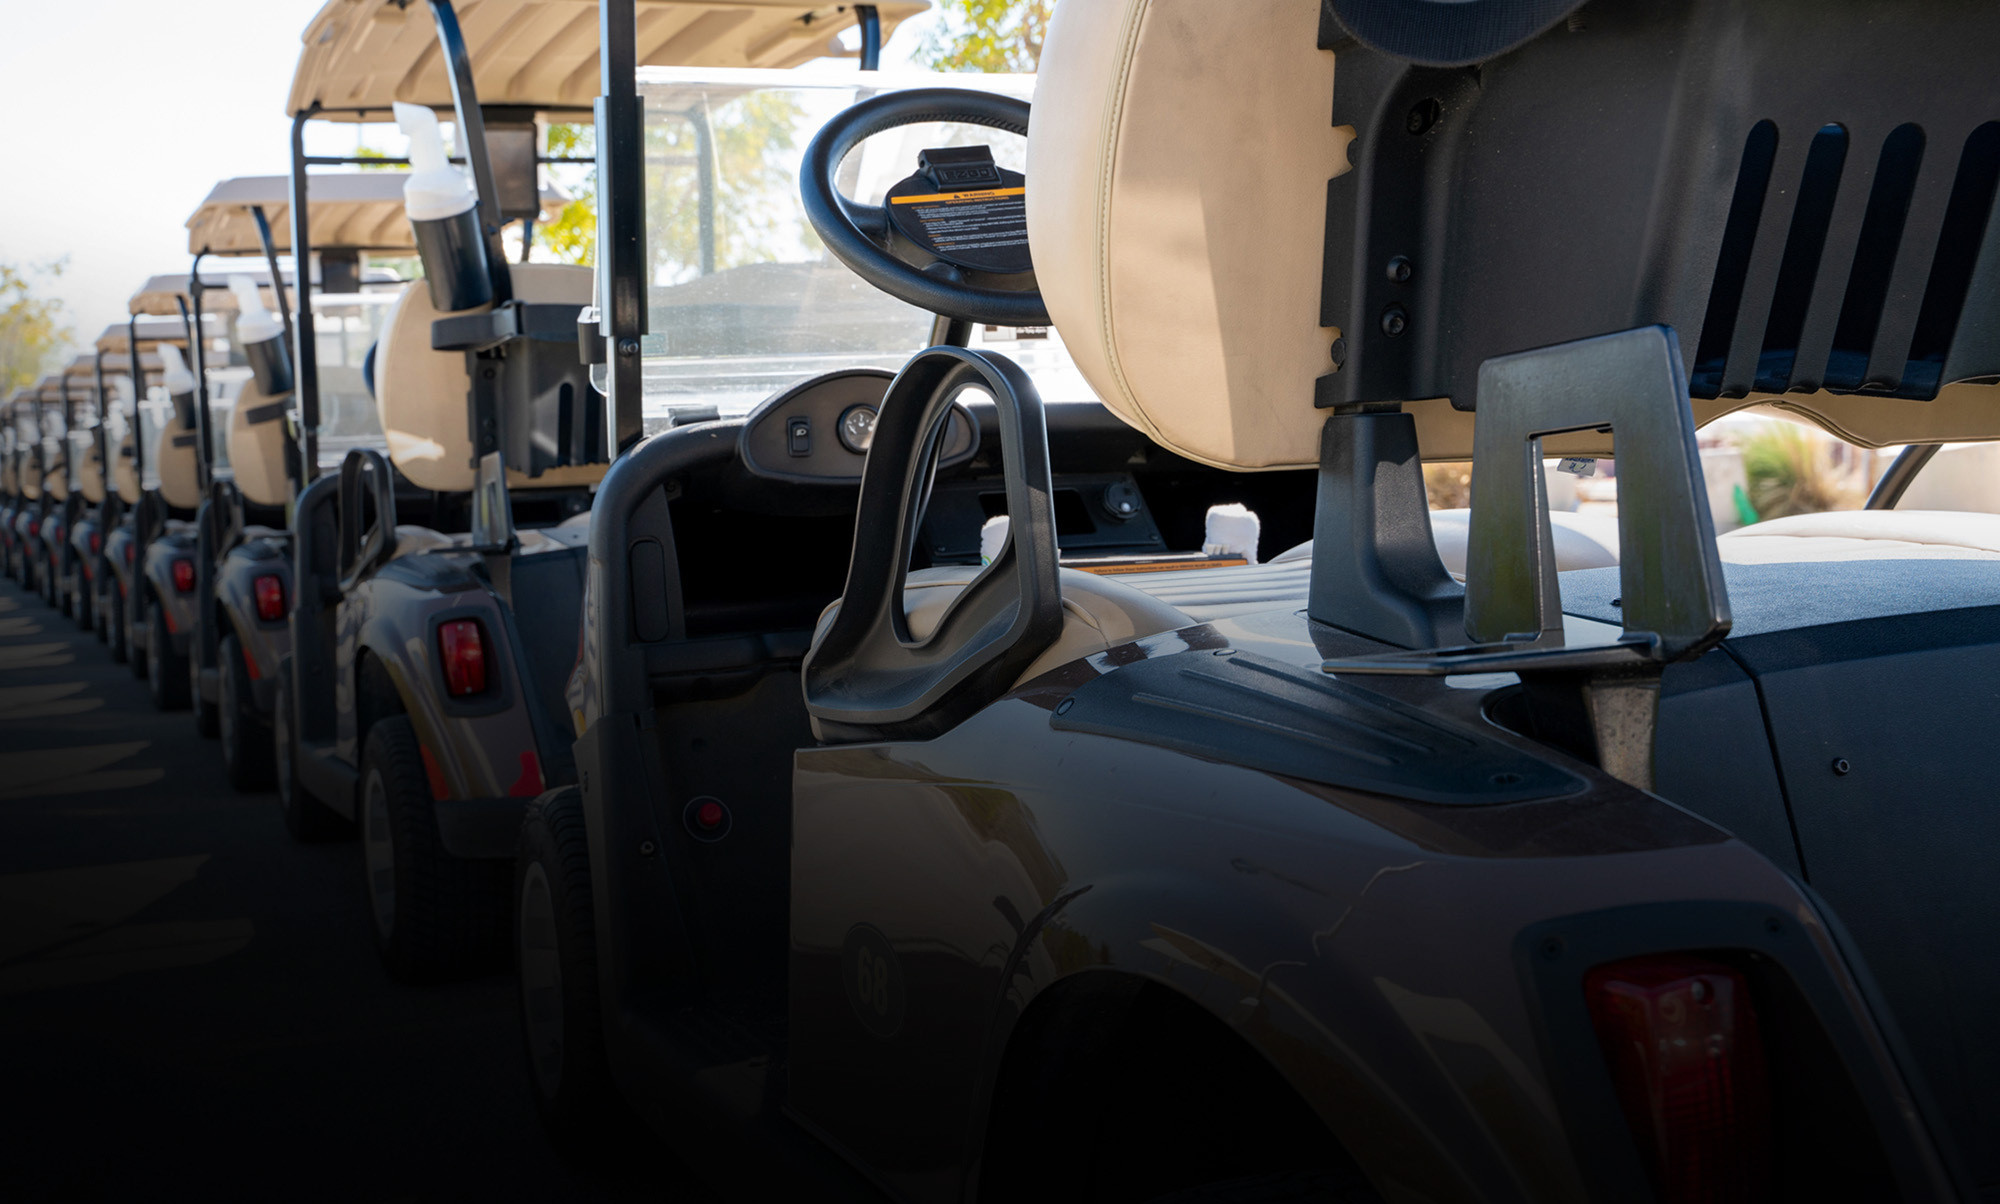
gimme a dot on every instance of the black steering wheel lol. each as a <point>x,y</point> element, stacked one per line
<point>861,236</point>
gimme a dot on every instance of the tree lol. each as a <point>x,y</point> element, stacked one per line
<point>31,333</point>
<point>572,236</point>
<point>987,35</point>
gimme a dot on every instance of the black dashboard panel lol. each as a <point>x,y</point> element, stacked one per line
<point>816,431</point>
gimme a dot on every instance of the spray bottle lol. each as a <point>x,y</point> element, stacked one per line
<point>179,384</point>
<point>262,337</point>
<point>444,212</point>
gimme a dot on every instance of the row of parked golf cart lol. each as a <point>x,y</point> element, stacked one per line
<point>962,697</point>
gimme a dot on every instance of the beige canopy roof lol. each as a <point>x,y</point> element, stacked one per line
<point>50,387</point>
<point>156,329</point>
<point>157,295</point>
<point>366,54</point>
<point>361,210</point>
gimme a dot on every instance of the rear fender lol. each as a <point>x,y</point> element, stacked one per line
<point>478,747</point>
<point>157,572</point>
<point>263,642</point>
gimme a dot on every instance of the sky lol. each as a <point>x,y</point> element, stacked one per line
<point>128,111</point>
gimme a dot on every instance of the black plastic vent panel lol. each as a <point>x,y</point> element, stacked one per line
<point>1247,710</point>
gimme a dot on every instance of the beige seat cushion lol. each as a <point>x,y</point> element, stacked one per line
<point>1179,258</point>
<point>257,439</point>
<point>125,473</point>
<point>420,393</point>
<point>180,479</point>
<point>1866,535</point>
<point>56,479</point>
<point>90,474</point>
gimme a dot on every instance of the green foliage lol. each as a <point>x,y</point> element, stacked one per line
<point>572,236</point>
<point>372,153</point>
<point>31,330</point>
<point>987,35</point>
<point>1791,471</point>
<point>753,152</point>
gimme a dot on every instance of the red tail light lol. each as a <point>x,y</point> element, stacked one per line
<point>34,526</point>
<point>131,552</point>
<point>270,593</point>
<point>184,576</point>
<point>1680,1036</point>
<point>96,543</point>
<point>462,651</point>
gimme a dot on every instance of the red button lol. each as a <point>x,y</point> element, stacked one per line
<point>709,814</point>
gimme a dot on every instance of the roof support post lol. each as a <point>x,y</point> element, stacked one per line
<point>871,36</point>
<point>472,140</point>
<point>621,214</point>
<point>305,351</point>
<point>295,475</point>
<point>138,399</point>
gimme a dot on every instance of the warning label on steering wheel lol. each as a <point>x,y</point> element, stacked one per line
<point>979,229</point>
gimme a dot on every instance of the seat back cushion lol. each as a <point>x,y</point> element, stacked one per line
<point>180,481</point>
<point>421,393</point>
<point>257,441</point>
<point>1180,257</point>
<point>125,472</point>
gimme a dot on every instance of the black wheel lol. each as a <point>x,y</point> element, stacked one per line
<point>166,670</point>
<point>246,736</point>
<point>555,952</point>
<point>51,586</point>
<point>100,617</point>
<point>306,818</point>
<point>436,917</point>
<point>114,625</point>
<point>138,656</point>
<point>207,715</point>
<point>80,607</point>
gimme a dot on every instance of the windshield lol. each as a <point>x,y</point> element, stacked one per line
<point>345,329</point>
<point>745,301</point>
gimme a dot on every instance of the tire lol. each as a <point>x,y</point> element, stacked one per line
<point>435,916</point>
<point>139,660</point>
<point>1291,1187</point>
<point>246,735</point>
<point>555,959</point>
<point>207,715</point>
<point>115,635</point>
<point>100,618</point>
<point>80,601</point>
<point>166,670</point>
<point>309,820</point>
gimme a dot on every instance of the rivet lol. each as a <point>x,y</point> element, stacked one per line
<point>1840,766</point>
<point>1062,708</point>
<point>628,346</point>
<point>1339,352</point>
<point>645,848</point>
<point>1399,269</point>
<point>1395,321</point>
<point>1552,947</point>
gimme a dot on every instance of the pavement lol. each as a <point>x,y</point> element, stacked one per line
<point>190,1002</point>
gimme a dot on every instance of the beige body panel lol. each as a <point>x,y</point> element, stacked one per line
<point>180,478</point>
<point>257,448</point>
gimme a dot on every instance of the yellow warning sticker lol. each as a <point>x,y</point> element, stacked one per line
<point>982,194</point>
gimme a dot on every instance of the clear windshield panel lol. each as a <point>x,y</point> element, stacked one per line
<point>745,301</point>
<point>345,329</point>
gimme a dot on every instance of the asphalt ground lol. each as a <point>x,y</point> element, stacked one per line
<point>190,1002</point>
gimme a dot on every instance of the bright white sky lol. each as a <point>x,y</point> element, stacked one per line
<point>126,112</point>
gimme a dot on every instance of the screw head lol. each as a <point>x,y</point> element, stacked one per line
<point>1395,321</point>
<point>1840,767</point>
<point>1552,947</point>
<point>645,848</point>
<point>1399,269</point>
<point>1423,115</point>
<point>1062,708</point>
<point>1339,352</point>
<point>628,347</point>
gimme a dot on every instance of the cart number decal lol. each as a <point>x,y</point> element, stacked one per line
<point>874,980</point>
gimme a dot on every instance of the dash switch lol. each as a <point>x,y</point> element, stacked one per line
<point>799,436</point>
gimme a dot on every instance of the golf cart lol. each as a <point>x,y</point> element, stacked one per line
<point>436,619</point>
<point>23,481</point>
<point>83,407</point>
<point>176,426</point>
<point>1659,881</point>
<point>50,550</point>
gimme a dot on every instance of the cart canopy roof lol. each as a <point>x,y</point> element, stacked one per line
<point>156,329</point>
<point>351,210</point>
<point>157,296</point>
<point>542,54</point>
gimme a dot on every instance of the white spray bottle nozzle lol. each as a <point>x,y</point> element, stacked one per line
<point>436,189</point>
<point>174,372</point>
<point>254,323</point>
